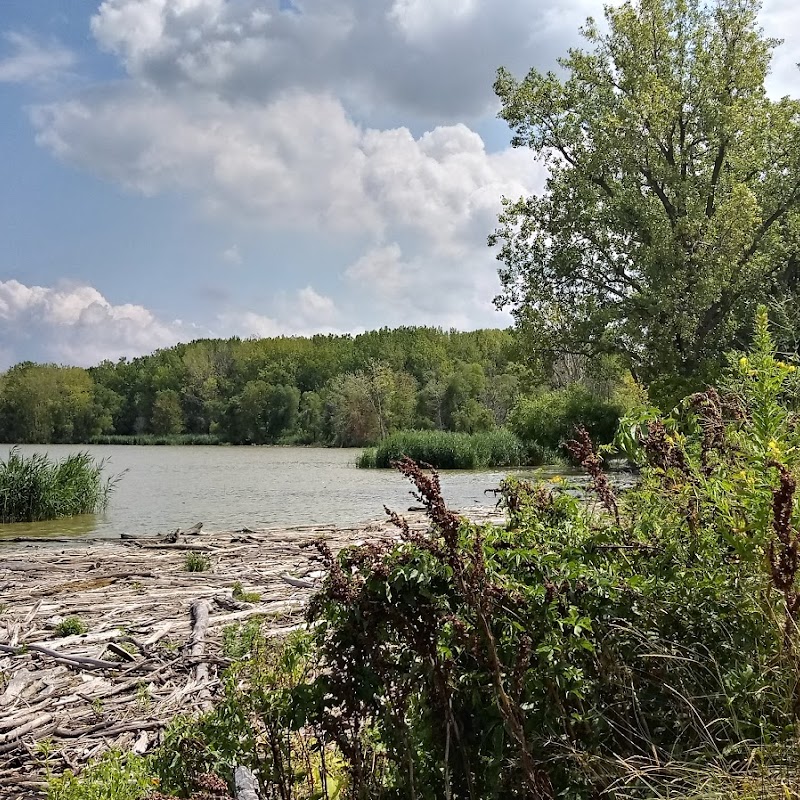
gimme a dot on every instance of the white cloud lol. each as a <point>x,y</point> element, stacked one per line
<point>78,325</point>
<point>422,20</point>
<point>315,309</point>
<point>782,17</point>
<point>231,255</point>
<point>33,61</point>
<point>299,162</point>
<point>433,58</point>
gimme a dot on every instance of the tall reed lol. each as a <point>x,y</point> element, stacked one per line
<point>448,450</point>
<point>34,487</point>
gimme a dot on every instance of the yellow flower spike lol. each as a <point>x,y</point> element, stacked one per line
<point>743,362</point>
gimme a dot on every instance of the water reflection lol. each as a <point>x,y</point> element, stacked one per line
<point>52,528</point>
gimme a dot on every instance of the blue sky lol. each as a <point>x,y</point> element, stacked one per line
<point>181,168</point>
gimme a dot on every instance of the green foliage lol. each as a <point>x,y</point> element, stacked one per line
<point>261,724</point>
<point>35,488</point>
<point>241,595</point>
<point>47,403</point>
<point>671,206</point>
<point>167,417</point>
<point>114,775</point>
<point>549,418</point>
<point>571,652</point>
<point>196,562</point>
<point>446,450</point>
<point>71,626</point>
<point>329,390</point>
<point>240,639</point>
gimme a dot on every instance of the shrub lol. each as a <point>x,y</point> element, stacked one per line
<point>114,775</point>
<point>447,450</point>
<point>242,596</point>
<point>71,626</point>
<point>260,723</point>
<point>546,420</point>
<point>34,488</point>
<point>196,562</point>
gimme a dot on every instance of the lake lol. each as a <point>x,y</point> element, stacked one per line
<point>164,488</point>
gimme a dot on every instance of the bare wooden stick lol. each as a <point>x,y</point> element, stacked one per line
<point>199,609</point>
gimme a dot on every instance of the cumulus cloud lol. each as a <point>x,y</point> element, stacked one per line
<point>298,162</point>
<point>33,61</point>
<point>432,58</point>
<point>78,325</point>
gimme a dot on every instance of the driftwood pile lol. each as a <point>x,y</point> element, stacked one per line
<point>153,646</point>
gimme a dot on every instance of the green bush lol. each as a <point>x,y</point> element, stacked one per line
<point>114,775</point>
<point>447,450</point>
<point>71,626</point>
<point>196,562</point>
<point>34,488</point>
<point>546,420</point>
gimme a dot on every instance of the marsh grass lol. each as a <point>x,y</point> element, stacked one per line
<point>35,488</point>
<point>448,450</point>
<point>196,562</point>
<point>155,439</point>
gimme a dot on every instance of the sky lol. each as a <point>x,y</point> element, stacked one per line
<point>179,169</point>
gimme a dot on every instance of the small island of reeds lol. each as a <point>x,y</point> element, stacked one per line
<point>35,487</point>
<point>451,450</point>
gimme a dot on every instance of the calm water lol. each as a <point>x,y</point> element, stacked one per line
<point>164,488</point>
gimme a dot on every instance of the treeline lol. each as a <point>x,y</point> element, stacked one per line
<point>329,390</point>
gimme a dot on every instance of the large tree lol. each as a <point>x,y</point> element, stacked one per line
<point>672,205</point>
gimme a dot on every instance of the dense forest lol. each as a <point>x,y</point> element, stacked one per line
<point>331,390</point>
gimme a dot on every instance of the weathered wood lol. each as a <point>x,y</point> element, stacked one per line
<point>199,611</point>
<point>246,784</point>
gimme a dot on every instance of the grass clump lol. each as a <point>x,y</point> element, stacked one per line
<point>448,450</point>
<point>71,626</point>
<point>196,562</point>
<point>242,596</point>
<point>34,488</point>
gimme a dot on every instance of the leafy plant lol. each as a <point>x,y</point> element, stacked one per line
<point>242,596</point>
<point>196,562</point>
<point>71,626</point>
<point>260,723</point>
<point>114,775</point>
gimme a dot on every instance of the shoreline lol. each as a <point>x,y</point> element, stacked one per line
<point>153,646</point>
